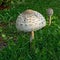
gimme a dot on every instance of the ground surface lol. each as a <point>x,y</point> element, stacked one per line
<point>15,45</point>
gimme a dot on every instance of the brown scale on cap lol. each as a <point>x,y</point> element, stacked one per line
<point>29,11</point>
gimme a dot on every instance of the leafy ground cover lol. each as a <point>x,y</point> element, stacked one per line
<point>15,45</point>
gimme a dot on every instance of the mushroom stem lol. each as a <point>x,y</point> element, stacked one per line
<point>50,20</point>
<point>32,36</point>
<point>32,42</point>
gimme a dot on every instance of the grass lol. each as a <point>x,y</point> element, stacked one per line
<point>47,40</point>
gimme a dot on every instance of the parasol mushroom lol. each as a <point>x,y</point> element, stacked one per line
<point>50,13</point>
<point>30,21</point>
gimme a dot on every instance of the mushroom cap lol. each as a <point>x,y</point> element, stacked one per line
<point>30,20</point>
<point>50,11</point>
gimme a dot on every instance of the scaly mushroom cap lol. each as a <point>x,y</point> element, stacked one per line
<point>29,21</point>
<point>50,11</point>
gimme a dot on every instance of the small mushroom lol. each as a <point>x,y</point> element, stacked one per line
<point>50,13</point>
<point>30,21</point>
